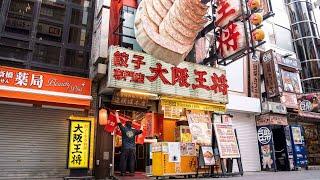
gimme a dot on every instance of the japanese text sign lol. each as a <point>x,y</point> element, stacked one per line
<point>24,78</point>
<point>270,73</point>
<point>135,70</point>
<point>227,141</point>
<point>46,88</point>
<point>232,35</point>
<point>79,144</point>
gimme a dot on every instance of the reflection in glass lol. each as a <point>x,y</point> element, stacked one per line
<point>53,10</point>
<point>46,54</point>
<point>75,59</point>
<point>77,36</point>
<point>19,17</point>
<point>14,53</point>
<point>79,17</point>
<point>49,31</point>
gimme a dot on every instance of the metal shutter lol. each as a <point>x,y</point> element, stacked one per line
<point>33,142</point>
<point>247,136</point>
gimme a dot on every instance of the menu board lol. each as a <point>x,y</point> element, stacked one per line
<point>188,149</point>
<point>208,156</point>
<point>227,141</point>
<point>172,112</point>
<point>200,128</point>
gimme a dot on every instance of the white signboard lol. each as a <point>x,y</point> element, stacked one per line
<point>140,71</point>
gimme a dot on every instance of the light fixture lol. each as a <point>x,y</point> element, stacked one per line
<point>138,92</point>
<point>103,116</point>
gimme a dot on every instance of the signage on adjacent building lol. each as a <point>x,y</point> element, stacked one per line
<point>272,119</point>
<point>32,85</point>
<point>288,62</point>
<point>274,107</point>
<point>270,76</point>
<point>227,141</point>
<point>289,100</point>
<point>79,144</point>
<point>139,71</point>
<point>309,105</point>
<point>255,78</point>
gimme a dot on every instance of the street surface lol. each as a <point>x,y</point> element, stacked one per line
<point>284,175</point>
<point>287,175</point>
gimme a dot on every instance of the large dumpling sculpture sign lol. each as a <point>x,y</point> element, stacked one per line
<point>167,29</point>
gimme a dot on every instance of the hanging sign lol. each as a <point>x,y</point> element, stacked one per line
<point>129,99</point>
<point>309,105</point>
<point>272,119</point>
<point>79,144</point>
<point>227,141</point>
<point>274,107</point>
<point>255,78</point>
<point>270,74</point>
<point>140,71</point>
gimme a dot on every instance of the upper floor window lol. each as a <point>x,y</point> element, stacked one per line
<point>19,18</point>
<point>52,10</point>
<point>83,3</point>
<point>46,54</point>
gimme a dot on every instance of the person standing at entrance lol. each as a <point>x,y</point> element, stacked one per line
<point>128,149</point>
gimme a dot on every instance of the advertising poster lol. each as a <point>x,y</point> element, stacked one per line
<point>291,81</point>
<point>174,151</point>
<point>200,128</point>
<point>208,156</point>
<point>227,141</point>
<point>188,149</point>
<point>266,148</point>
<point>296,135</point>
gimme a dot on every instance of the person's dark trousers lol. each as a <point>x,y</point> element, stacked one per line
<point>128,156</point>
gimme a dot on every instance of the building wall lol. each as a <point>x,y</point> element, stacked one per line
<point>52,36</point>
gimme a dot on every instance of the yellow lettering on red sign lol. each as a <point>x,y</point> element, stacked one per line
<point>79,144</point>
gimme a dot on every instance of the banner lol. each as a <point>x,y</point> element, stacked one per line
<point>227,141</point>
<point>79,144</point>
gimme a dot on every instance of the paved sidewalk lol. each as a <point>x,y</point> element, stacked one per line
<point>287,175</point>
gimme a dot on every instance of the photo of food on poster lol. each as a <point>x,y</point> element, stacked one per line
<point>174,151</point>
<point>296,134</point>
<point>208,156</point>
<point>200,127</point>
<point>227,141</point>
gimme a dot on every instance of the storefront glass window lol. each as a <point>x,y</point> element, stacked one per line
<point>52,10</point>
<point>75,58</point>
<point>19,17</point>
<point>46,54</point>
<point>49,31</point>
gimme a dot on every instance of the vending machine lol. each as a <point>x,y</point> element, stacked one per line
<point>299,147</point>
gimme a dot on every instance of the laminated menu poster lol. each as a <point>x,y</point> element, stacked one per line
<point>174,151</point>
<point>200,128</point>
<point>207,155</point>
<point>227,141</point>
<point>188,149</point>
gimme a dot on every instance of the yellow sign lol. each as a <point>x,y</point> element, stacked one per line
<point>194,105</point>
<point>79,144</point>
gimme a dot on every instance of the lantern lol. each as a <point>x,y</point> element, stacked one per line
<point>258,34</point>
<point>103,116</point>
<point>254,4</point>
<point>256,18</point>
